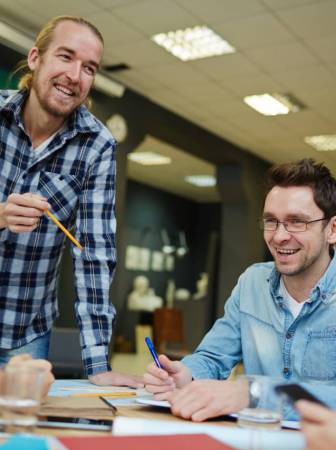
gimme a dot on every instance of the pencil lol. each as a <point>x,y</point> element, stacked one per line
<point>106,394</point>
<point>114,409</point>
<point>65,231</point>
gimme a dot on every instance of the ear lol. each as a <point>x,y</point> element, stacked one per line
<point>33,58</point>
<point>331,238</point>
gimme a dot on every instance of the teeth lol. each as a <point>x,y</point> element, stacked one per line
<point>64,90</point>
<point>286,251</point>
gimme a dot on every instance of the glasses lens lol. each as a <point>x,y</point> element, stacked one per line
<point>296,225</point>
<point>269,224</point>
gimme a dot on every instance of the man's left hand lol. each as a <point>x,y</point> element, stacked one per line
<point>203,399</point>
<point>116,379</point>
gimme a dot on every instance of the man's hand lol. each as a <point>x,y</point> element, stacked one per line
<point>25,360</point>
<point>21,212</point>
<point>161,382</point>
<point>318,425</point>
<point>203,399</point>
<point>116,379</point>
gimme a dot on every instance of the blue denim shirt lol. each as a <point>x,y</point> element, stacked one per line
<point>259,330</point>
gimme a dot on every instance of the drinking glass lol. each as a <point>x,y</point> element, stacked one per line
<point>264,408</point>
<point>20,399</point>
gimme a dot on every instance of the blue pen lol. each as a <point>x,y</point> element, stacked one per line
<point>151,348</point>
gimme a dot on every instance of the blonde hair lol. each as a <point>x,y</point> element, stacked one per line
<point>43,40</point>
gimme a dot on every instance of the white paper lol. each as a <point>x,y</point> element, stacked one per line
<point>240,438</point>
<point>293,425</point>
<point>157,261</point>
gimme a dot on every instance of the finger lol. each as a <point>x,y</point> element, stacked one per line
<point>313,412</point>
<point>164,396</point>
<point>170,366</point>
<point>23,357</point>
<point>18,220</point>
<point>21,229</point>
<point>155,389</point>
<point>150,379</point>
<point>157,373</point>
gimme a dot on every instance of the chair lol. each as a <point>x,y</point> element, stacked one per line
<point>65,353</point>
<point>168,330</point>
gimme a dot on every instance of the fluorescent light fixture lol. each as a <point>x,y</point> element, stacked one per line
<point>149,158</point>
<point>322,143</point>
<point>193,43</point>
<point>273,104</point>
<point>201,180</point>
<point>20,42</point>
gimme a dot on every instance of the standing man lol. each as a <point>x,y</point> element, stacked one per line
<point>280,320</point>
<point>54,154</point>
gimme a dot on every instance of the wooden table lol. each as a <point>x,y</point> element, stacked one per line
<point>94,408</point>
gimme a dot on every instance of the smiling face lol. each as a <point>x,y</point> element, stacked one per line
<point>304,253</point>
<point>64,74</point>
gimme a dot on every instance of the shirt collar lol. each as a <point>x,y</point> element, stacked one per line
<point>324,289</point>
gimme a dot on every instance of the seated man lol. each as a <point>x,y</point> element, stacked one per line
<point>318,426</point>
<point>25,360</point>
<point>279,320</point>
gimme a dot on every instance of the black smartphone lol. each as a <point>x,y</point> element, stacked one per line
<point>296,392</point>
<point>75,423</point>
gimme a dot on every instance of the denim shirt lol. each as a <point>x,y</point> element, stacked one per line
<point>259,330</point>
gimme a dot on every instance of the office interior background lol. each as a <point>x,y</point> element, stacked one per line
<point>191,211</point>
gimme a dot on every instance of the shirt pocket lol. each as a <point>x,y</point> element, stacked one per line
<point>319,358</point>
<point>61,191</point>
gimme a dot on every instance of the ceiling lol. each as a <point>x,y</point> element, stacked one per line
<point>286,46</point>
<point>171,176</point>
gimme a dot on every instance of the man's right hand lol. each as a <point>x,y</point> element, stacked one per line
<point>161,382</point>
<point>21,212</point>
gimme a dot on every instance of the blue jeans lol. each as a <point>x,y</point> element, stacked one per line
<point>38,348</point>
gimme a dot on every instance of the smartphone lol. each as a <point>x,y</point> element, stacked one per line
<point>75,423</point>
<point>296,392</point>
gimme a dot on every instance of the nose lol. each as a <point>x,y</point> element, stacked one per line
<point>281,233</point>
<point>74,71</point>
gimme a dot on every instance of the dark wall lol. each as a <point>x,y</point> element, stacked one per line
<point>147,212</point>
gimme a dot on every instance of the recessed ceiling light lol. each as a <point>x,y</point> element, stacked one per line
<point>193,43</point>
<point>322,143</point>
<point>149,158</point>
<point>201,180</point>
<point>273,104</point>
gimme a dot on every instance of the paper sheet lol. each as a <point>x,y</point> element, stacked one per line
<point>65,388</point>
<point>240,438</point>
<point>293,425</point>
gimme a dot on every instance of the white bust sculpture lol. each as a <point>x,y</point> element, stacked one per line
<point>142,297</point>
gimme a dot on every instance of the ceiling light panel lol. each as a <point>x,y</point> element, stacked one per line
<point>201,180</point>
<point>322,143</point>
<point>149,158</point>
<point>273,104</point>
<point>193,43</point>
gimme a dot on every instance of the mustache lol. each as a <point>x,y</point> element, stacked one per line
<point>72,86</point>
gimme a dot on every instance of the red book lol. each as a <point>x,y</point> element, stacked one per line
<point>167,442</point>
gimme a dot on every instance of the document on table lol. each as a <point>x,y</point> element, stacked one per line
<point>240,438</point>
<point>293,425</point>
<point>66,388</point>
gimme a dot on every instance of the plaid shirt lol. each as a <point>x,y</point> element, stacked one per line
<point>76,173</point>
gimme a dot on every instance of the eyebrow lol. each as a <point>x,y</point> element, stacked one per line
<point>300,216</point>
<point>72,52</point>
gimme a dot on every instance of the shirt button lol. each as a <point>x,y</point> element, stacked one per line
<point>289,335</point>
<point>286,370</point>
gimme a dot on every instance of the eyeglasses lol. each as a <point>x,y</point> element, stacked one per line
<point>291,225</point>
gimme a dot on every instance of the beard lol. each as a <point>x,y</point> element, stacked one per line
<point>57,109</point>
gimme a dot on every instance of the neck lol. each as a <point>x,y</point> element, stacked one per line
<point>39,124</point>
<point>300,285</point>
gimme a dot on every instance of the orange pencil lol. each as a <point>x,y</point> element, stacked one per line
<point>65,231</point>
<point>106,394</point>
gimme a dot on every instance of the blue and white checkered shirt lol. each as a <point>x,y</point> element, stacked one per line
<point>76,173</point>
